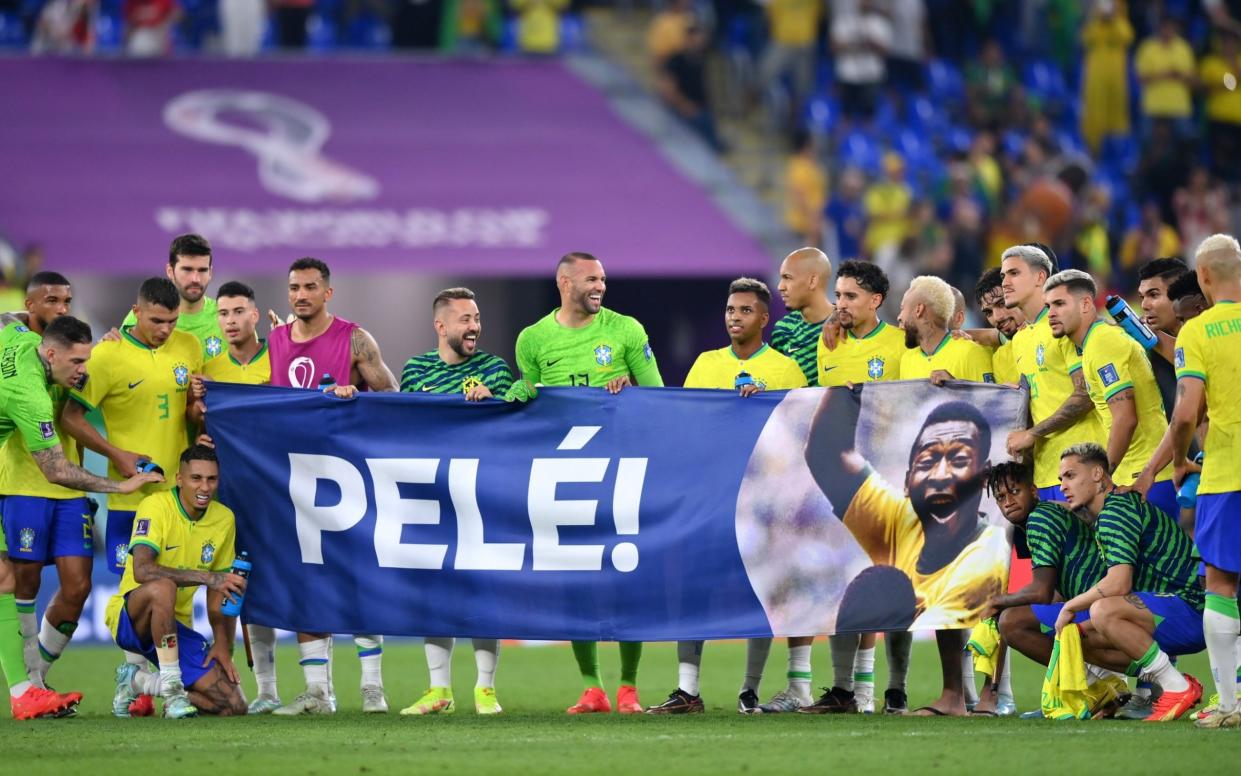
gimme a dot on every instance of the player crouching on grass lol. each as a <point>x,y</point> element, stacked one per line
<point>182,538</point>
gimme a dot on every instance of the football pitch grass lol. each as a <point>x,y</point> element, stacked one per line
<point>534,735</point>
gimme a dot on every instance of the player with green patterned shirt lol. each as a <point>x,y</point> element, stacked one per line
<point>1149,604</point>
<point>457,366</point>
<point>189,269</point>
<point>805,275</point>
<point>582,343</point>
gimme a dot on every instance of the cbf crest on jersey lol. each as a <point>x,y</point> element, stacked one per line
<point>213,346</point>
<point>182,374</point>
<point>603,355</point>
<point>120,553</point>
<point>208,554</point>
<point>25,539</point>
<point>874,368</point>
<point>469,383</point>
<point>1040,355</point>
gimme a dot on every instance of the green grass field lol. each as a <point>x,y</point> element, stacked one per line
<point>535,684</point>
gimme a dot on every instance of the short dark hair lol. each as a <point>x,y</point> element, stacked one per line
<point>572,257</point>
<point>751,286</point>
<point>1169,268</point>
<point>67,330</point>
<point>310,262</point>
<point>957,410</point>
<point>188,245</point>
<point>1089,452</point>
<point>990,281</point>
<point>199,453</point>
<point>235,288</point>
<point>47,278</point>
<point>443,297</point>
<point>878,598</point>
<point>1185,285</point>
<point>159,291</point>
<point>1016,472</point>
<point>867,275</point>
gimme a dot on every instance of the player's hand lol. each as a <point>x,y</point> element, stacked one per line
<point>961,334</point>
<point>1140,486</point>
<point>138,480</point>
<point>126,463</point>
<point>1019,441</point>
<point>198,386</point>
<point>831,332</point>
<point>522,391</point>
<point>1183,469</point>
<point>275,320</point>
<point>343,391</point>
<point>940,376</point>
<point>615,386</point>
<point>111,335</point>
<point>749,389</point>
<point>1064,618</point>
<point>478,393</point>
<point>205,440</point>
<point>227,583</point>
<point>223,655</point>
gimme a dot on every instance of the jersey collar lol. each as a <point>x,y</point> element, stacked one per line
<point>878,328</point>
<point>176,496</point>
<point>939,347</point>
<point>757,353</point>
<point>1041,315</point>
<point>257,356</point>
<point>132,340</point>
<point>1097,322</point>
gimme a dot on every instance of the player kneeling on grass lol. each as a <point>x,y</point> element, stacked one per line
<point>1149,603</point>
<point>182,538</point>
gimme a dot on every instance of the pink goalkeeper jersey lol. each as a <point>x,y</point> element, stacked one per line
<point>303,364</point>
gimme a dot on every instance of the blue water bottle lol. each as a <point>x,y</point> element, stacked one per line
<point>241,567</point>
<point>327,383</point>
<point>1128,320</point>
<point>146,466</point>
<point>1187,494</point>
<point>743,378</point>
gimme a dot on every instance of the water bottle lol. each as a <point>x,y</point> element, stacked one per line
<point>1128,320</point>
<point>743,378</point>
<point>145,466</point>
<point>1187,494</point>
<point>241,567</point>
<point>327,383</point>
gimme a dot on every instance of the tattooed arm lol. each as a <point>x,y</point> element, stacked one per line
<point>370,364</point>
<point>148,569</point>
<point>1072,410</point>
<point>21,317</point>
<point>60,471</point>
<point>1124,422</point>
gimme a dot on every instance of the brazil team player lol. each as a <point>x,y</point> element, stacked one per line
<point>315,344</point>
<point>1155,277</point>
<point>29,366</point>
<point>183,539</point>
<point>1208,371</point>
<point>1060,407</point>
<point>748,365</point>
<point>583,343</point>
<point>865,349</point>
<point>805,275</point>
<point>140,383</point>
<point>46,523</point>
<point>933,353</point>
<point>457,366</point>
<point>1119,379</point>
<point>989,294</point>
<point>189,269</point>
<point>1064,562</point>
<point>1148,606</point>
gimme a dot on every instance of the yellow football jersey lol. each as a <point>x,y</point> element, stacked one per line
<point>771,371</point>
<point>961,358</point>
<point>872,358</point>
<point>1208,348</point>
<point>180,542</point>
<point>226,369</point>
<point>21,476</point>
<point>141,392</point>
<point>1002,362</point>
<point>1046,362</point>
<point>884,523</point>
<point>1111,362</point>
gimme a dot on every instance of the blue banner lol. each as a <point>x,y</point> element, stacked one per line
<point>655,514</point>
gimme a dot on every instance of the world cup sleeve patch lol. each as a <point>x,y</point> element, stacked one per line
<point>1108,375</point>
<point>142,527</point>
<point>1180,358</point>
<point>47,430</point>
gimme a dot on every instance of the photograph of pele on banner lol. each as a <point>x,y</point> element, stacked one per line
<point>881,520</point>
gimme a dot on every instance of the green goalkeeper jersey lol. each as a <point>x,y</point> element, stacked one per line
<point>610,346</point>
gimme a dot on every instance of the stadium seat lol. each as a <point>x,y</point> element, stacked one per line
<point>1120,153</point>
<point>822,113</point>
<point>1044,80</point>
<point>924,115</point>
<point>946,84</point>
<point>858,149</point>
<point>12,31</point>
<point>572,33</point>
<point>368,33</point>
<point>321,33</point>
<point>960,139</point>
<point>108,31</point>
<point>1013,142</point>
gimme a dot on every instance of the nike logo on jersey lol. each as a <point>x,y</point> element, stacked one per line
<point>426,387</point>
<point>553,363</point>
<point>172,547</point>
<point>828,368</point>
<point>135,385</point>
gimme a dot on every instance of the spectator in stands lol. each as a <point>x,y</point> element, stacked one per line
<point>793,29</point>
<point>241,26</point>
<point>1092,245</point>
<point>861,38</point>
<point>470,26</point>
<point>886,205</point>
<point>666,35</point>
<point>1148,240</point>
<point>290,18</point>
<point>683,86</point>
<point>986,175</point>
<point>416,24</point>
<point>989,84</point>
<point>65,27</point>
<point>1218,75</point>
<point>846,218</point>
<point>1106,37</point>
<point>539,25</point>
<point>1163,168</point>
<point>149,25</point>
<point>1225,14</point>
<point>806,191</point>
<point>1201,209</point>
<point>907,55</point>
<point>1165,67</point>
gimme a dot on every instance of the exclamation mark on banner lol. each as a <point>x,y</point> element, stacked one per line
<point>626,503</point>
